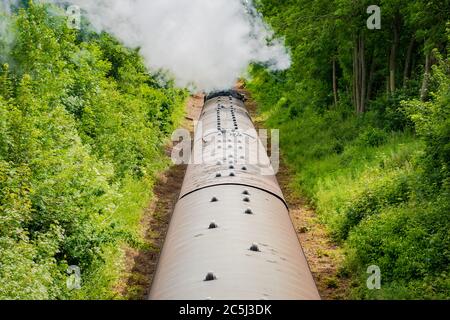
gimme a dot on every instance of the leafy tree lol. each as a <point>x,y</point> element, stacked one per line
<point>81,120</point>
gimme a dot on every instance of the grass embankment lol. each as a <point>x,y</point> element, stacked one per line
<point>371,189</point>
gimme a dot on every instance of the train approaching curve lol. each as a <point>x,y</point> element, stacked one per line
<point>230,236</point>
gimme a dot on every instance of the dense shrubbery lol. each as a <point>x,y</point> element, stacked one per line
<point>378,177</point>
<point>82,126</point>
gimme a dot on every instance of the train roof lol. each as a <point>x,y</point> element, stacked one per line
<point>225,93</point>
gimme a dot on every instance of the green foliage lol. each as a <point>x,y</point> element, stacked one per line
<point>411,245</point>
<point>379,180</point>
<point>82,125</point>
<point>390,114</point>
<point>432,120</point>
<point>372,137</point>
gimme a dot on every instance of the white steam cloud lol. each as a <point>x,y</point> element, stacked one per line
<point>205,44</point>
<point>7,35</point>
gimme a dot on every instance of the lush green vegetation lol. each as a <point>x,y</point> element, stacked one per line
<point>82,125</point>
<point>364,118</point>
<point>365,123</point>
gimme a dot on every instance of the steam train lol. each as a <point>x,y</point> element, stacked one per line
<point>230,235</point>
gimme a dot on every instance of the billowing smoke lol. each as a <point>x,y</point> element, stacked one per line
<point>7,35</point>
<point>205,44</point>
